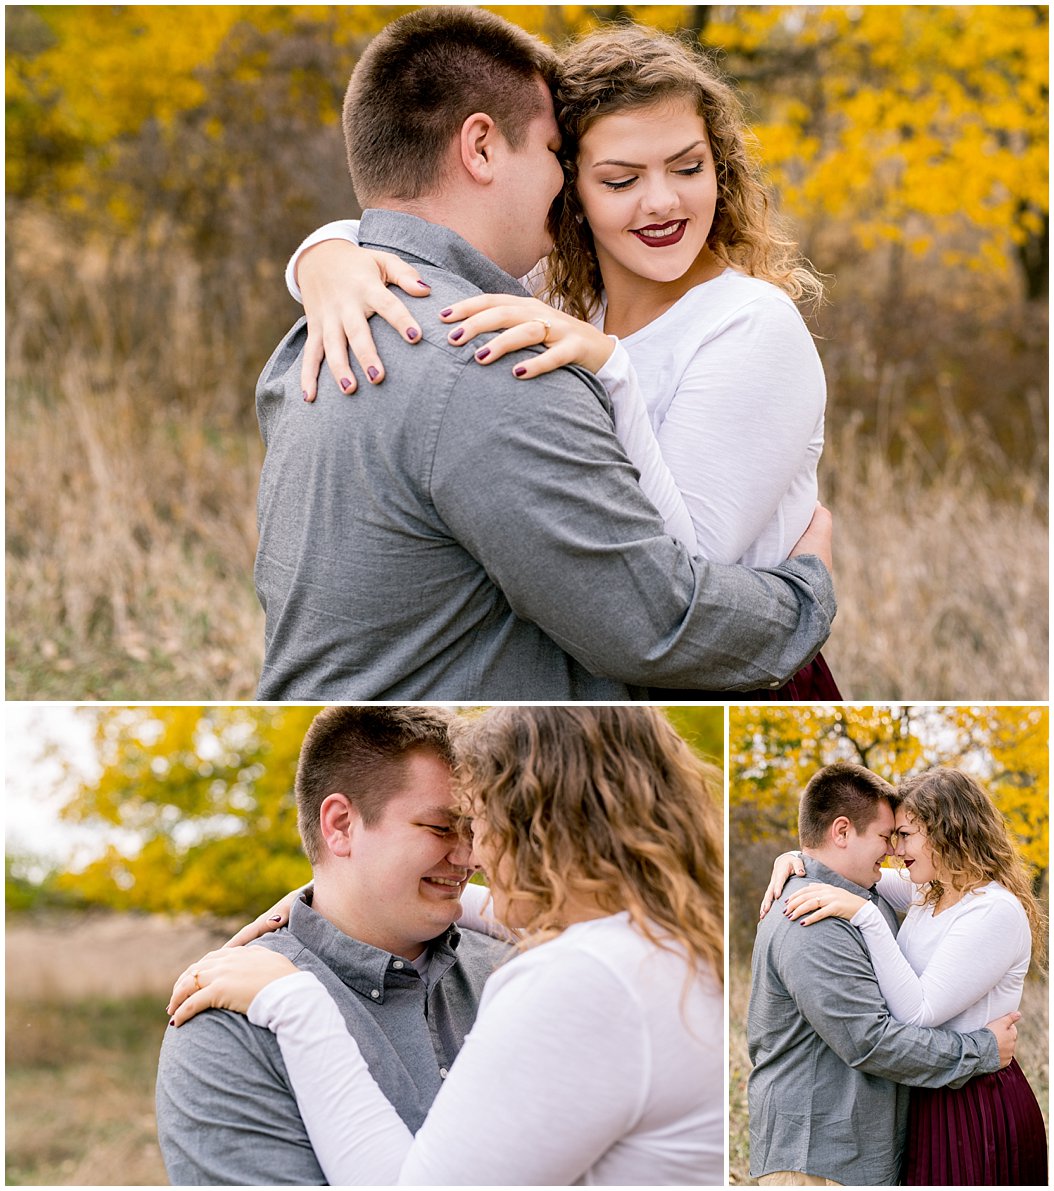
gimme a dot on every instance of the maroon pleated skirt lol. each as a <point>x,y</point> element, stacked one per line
<point>988,1133</point>
<point>814,681</point>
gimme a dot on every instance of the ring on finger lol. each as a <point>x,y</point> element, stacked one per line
<point>197,980</point>
<point>547,326</point>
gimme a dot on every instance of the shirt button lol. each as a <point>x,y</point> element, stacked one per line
<point>375,993</point>
<point>398,965</point>
<point>443,1073</point>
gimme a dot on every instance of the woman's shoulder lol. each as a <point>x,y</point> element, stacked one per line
<point>996,905</point>
<point>601,952</point>
<point>732,302</point>
<point>995,895</point>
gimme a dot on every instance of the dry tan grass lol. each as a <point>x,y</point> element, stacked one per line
<point>131,536</point>
<point>132,465</point>
<point>84,1117</point>
<point>81,956</point>
<point>942,585</point>
<point>84,1023</point>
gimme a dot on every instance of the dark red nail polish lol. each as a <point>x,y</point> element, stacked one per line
<point>303,393</point>
<point>412,333</point>
<point>457,334</point>
<point>519,370</point>
<point>483,353</point>
<point>277,918</point>
<point>171,1021</point>
<point>372,372</point>
<point>345,383</point>
<point>446,313</point>
<point>424,284</point>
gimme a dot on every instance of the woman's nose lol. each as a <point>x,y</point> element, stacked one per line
<point>658,197</point>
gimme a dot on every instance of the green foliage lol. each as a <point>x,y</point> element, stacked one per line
<point>31,884</point>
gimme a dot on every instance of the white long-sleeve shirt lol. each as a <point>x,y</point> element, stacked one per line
<point>961,968</point>
<point>719,404</point>
<point>592,1061</point>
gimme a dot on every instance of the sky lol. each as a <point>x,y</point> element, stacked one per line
<point>32,795</point>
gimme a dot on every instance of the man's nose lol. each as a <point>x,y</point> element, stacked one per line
<point>461,854</point>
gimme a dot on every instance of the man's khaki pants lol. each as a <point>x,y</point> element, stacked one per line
<point>791,1178</point>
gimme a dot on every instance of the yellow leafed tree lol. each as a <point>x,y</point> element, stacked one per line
<point>774,750</point>
<point>199,806</point>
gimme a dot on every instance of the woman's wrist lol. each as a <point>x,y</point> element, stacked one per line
<point>600,348</point>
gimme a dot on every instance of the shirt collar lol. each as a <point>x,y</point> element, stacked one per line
<point>395,231</point>
<point>364,968</point>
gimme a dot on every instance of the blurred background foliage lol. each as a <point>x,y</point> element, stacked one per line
<point>194,811</point>
<point>774,750</point>
<point>163,161</point>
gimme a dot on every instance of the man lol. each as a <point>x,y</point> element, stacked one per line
<point>460,535</point>
<point>374,809</point>
<point>827,1105</point>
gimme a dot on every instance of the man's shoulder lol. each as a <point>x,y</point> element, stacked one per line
<point>788,944</point>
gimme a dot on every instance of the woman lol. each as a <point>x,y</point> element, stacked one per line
<point>597,1052</point>
<point>960,961</point>
<point>663,238</point>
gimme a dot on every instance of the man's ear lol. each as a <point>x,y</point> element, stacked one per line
<point>839,831</point>
<point>476,146</point>
<point>338,819</point>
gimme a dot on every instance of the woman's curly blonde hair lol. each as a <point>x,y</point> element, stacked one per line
<point>970,841</point>
<point>617,69</point>
<point>605,803</point>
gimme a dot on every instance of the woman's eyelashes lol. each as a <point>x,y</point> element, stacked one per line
<point>623,183</point>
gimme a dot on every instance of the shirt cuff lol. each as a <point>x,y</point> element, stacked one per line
<point>617,369</point>
<point>868,913</point>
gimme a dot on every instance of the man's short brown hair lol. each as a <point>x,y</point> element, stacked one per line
<point>841,789</point>
<point>360,752</point>
<point>417,82</point>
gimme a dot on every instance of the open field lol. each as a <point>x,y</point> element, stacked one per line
<point>130,574</point>
<point>84,1023</point>
<point>1032,1054</point>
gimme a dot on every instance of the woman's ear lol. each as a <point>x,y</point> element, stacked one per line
<point>476,145</point>
<point>338,819</point>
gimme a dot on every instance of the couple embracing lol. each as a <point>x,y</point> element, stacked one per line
<point>337,1047</point>
<point>881,1055</point>
<point>605,496</point>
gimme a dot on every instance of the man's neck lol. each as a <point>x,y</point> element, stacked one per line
<point>459,214</point>
<point>831,861</point>
<point>326,902</point>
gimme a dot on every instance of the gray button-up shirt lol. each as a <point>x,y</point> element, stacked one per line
<point>825,1095</point>
<point>459,534</point>
<point>226,1113</point>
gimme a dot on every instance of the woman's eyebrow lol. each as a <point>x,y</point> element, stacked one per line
<point>634,165</point>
